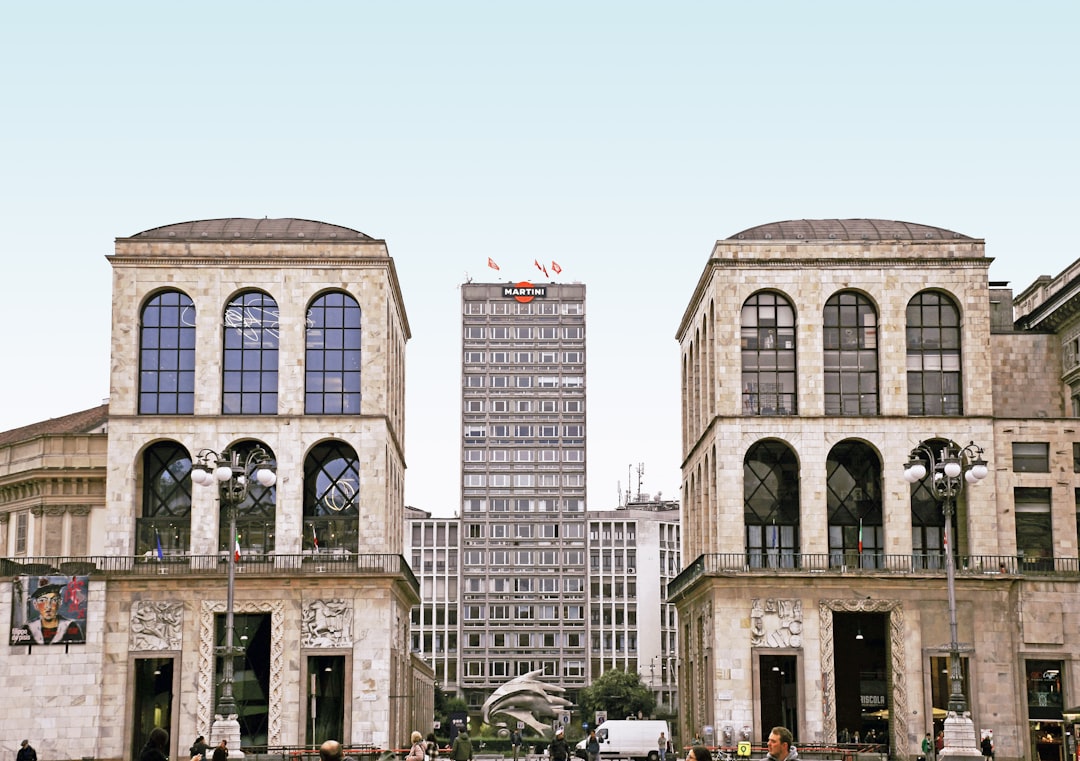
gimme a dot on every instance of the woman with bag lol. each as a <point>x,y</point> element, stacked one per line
<point>416,753</point>
<point>431,748</point>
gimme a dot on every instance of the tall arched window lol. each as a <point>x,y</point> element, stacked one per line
<point>768,356</point>
<point>928,522</point>
<point>853,495</point>
<point>771,505</point>
<point>331,498</point>
<point>332,365</point>
<point>167,355</point>
<point>933,355</point>
<point>166,500</point>
<point>255,516</point>
<point>849,336</point>
<point>250,361</point>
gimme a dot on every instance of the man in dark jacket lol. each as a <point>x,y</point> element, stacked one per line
<point>26,752</point>
<point>559,750</point>
<point>462,749</point>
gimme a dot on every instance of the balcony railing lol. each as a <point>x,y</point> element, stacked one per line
<point>866,563</point>
<point>183,564</point>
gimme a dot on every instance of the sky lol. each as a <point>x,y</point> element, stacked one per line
<point>621,139</point>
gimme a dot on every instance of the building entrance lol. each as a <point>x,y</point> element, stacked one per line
<point>861,662</point>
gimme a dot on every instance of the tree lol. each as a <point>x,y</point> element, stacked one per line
<point>446,705</point>
<point>620,694</point>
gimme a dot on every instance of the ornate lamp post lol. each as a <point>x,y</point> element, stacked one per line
<point>949,466</point>
<point>233,477</point>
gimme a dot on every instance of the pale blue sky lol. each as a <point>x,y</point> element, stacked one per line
<point>619,138</point>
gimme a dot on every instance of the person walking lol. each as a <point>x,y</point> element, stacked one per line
<point>592,746</point>
<point>221,752</point>
<point>431,747</point>
<point>199,748</point>
<point>779,745</point>
<point>416,751</point>
<point>157,746</point>
<point>26,752</point>
<point>330,750</point>
<point>559,750</point>
<point>928,748</point>
<point>515,743</point>
<point>462,749</point>
<point>661,746</point>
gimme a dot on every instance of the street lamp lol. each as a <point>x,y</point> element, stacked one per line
<point>949,466</point>
<point>232,471</point>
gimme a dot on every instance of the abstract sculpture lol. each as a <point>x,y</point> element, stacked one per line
<point>526,699</point>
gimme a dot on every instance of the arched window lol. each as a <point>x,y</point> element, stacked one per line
<point>332,365</point>
<point>928,522</point>
<point>768,356</point>
<point>331,498</point>
<point>771,505</point>
<point>933,355</point>
<point>167,355</point>
<point>255,516</point>
<point>853,494</point>
<point>849,336</point>
<point>250,361</point>
<point>166,501</point>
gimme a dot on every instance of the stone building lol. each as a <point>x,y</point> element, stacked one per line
<point>230,335</point>
<point>816,355</point>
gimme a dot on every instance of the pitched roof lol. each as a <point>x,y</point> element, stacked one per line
<point>92,420</point>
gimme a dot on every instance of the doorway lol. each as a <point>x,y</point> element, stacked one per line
<point>251,674</point>
<point>778,691</point>
<point>153,700</point>
<point>861,658</point>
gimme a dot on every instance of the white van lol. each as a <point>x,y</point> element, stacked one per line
<point>629,738</point>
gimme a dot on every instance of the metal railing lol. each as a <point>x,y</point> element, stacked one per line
<point>217,564</point>
<point>781,562</point>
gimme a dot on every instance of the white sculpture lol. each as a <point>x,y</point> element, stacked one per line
<point>526,699</point>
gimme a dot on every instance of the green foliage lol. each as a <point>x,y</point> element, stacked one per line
<point>620,694</point>
<point>444,706</point>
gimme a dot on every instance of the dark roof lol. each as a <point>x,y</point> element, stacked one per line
<point>846,229</point>
<point>87,421</point>
<point>252,229</point>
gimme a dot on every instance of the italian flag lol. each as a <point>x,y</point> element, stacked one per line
<point>236,551</point>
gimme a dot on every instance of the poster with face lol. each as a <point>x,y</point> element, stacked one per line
<point>49,610</point>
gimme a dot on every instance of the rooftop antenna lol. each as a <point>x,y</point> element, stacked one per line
<point>640,473</point>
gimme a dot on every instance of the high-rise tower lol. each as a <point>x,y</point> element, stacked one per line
<point>523,485</point>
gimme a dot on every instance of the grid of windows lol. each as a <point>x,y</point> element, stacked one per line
<point>167,355</point>
<point>332,356</point>
<point>849,335</point>
<point>768,355</point>
<point>250,355</point>
<point>933,355</point>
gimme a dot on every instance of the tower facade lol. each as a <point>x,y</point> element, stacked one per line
<point>523,562</point>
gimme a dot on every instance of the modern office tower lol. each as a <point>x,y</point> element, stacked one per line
<point>523,564</point>
<point>634,551</point>
<point>433,546</point>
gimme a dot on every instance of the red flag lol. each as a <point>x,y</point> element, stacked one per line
<point>539,266</point>
<point>555,267</point>
<point>492,264</point>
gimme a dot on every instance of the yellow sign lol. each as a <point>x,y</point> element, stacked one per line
<point>744,750</point>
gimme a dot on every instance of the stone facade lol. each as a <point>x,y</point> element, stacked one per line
<point>95,699</point>
<point>1012,391</point>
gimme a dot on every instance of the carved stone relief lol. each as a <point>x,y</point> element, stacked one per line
<point>327,623</point>
<point>276,697</point>
<point>776,623</point>
<point>898,670</point>
<point>156,625</point>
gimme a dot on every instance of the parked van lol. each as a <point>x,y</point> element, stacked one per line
<point>628,738</point>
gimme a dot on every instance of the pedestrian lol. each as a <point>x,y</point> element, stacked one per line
<point>662,746</point>
<point>431,747</point>
<point>26,752</point>
<point>559,750</point>
<point>416,749</point>
<point>157,746</point>
<point>515,743</point>
<point>330,750</point>
<point>221,752</point>
<point>928,748</point>
<point>987,746</point>
<point>780,749</point>
<point>592,746</point>
<point>462,749</point>
<point>199,748</point>
<point>939,742</point>
<point>699,753</point>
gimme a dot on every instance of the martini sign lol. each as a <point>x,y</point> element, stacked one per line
<point>524,292</point>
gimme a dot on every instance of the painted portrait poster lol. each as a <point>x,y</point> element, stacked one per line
<point>48,610</point>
